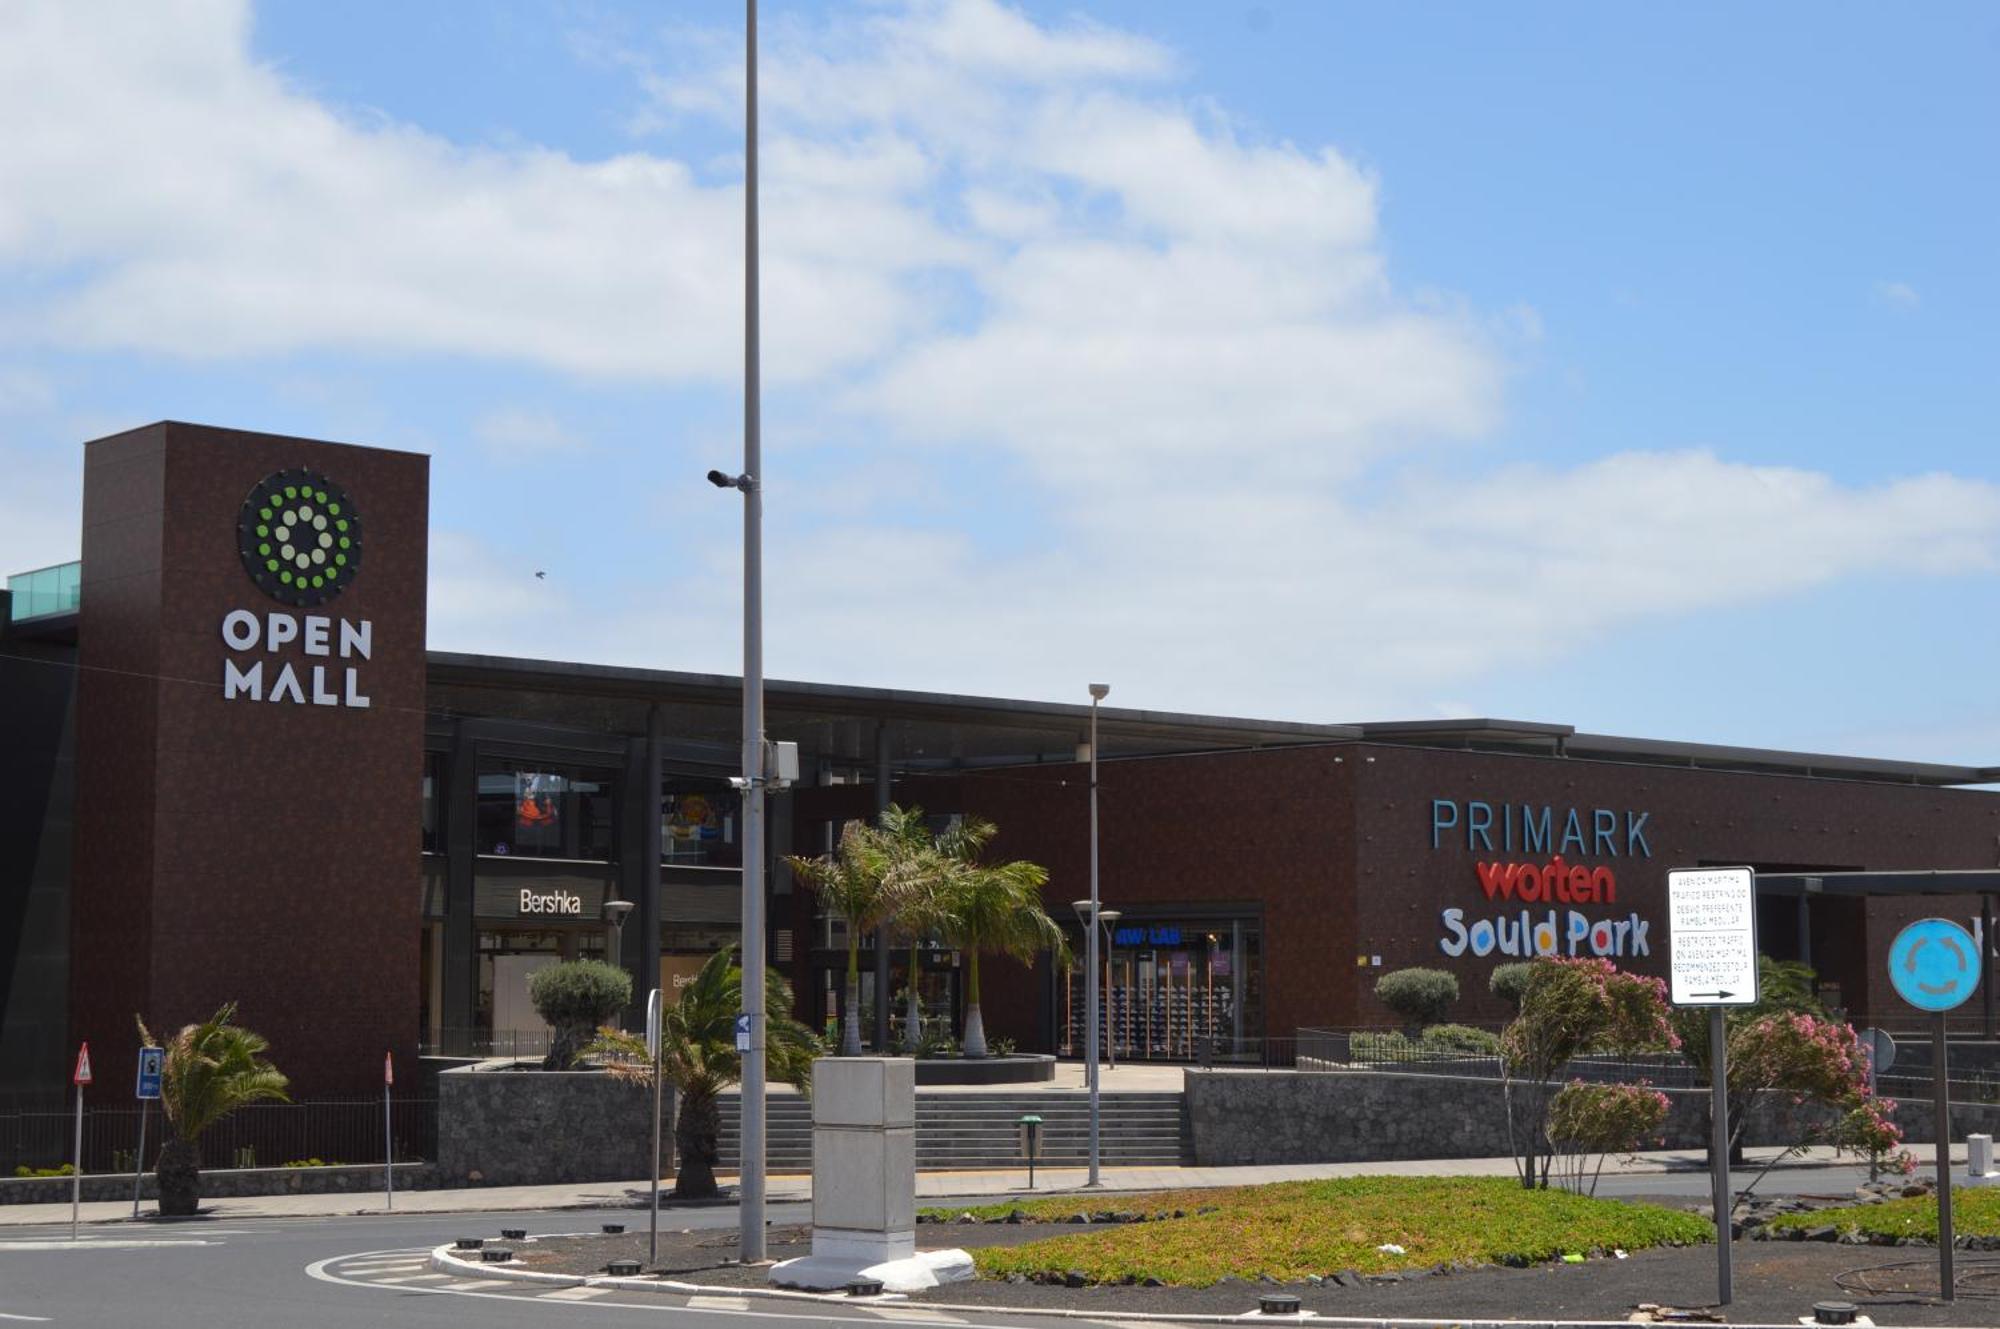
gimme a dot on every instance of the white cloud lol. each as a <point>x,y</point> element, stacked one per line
<point>525,433</point>
<point>1242,469</point>
<point>1897,295</point>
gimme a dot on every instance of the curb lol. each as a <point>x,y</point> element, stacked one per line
<point>445,1261</point>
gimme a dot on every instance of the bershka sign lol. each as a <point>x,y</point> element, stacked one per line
<point>554,902</point>
<point>1502,827</point>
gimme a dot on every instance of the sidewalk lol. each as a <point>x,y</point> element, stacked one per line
<point>930,1186</point>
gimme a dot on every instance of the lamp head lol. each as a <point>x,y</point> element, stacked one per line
<point>1109,916</point>
<point>1099,691</point>
<point>1082,908</point>
<point>615,910</point>
<point>721,481</point>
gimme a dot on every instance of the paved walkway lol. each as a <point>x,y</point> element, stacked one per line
<point>930,1186</point>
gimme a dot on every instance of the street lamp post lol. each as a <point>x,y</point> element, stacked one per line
<point>1098,692</point>
<point>1109,918</point>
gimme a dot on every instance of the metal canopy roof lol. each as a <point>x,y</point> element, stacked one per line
<point>930,729</point>
<point>1972,881</point>
<point>839,722</point>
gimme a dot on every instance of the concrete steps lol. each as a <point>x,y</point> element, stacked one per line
<point>974,1130</point>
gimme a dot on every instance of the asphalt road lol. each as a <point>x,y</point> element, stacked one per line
<point>369,1270</point>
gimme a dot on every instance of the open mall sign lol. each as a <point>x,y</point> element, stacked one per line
<point>1712,936</point>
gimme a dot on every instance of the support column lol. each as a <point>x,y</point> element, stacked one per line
<point>461,940</point>
<point>884,795</point>
<point>1805,929</point>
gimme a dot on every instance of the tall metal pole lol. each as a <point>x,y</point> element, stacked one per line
<point>750,1184</point>
<point>1941,1086</point>
<point>1718,1146</point>
<point>1090,1010</point>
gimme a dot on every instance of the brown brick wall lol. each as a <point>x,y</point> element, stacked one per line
<point>238,850</point>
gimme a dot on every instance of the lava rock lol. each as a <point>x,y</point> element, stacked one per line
<point>1075,1278</point>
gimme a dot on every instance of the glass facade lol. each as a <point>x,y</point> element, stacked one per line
<point>45,591</point>
<point>1168,986</point>
<point>546,812</point>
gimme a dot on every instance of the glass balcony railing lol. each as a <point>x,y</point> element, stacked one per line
<point>44,592</point>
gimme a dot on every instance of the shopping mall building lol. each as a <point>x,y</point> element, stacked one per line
<point>234,772</point>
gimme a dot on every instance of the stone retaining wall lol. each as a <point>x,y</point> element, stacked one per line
<point>502,1126</point>
<point>1253,1117</point>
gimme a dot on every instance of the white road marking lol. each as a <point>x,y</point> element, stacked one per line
<point>36,1319</point>
<point>571,1293</point>
<point>98,1244</point>
<point>386,1266</point>
<point>408,1278</point>
<point>911,1313</point>
<point>470,1284</point>
<point>699,1303</point>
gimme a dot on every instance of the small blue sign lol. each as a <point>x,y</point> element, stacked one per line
<point>1934,964</point>
<point>152,1065</point>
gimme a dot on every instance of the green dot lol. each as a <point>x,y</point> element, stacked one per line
<point>344,542</point>
<point>263,530</point>
<point>318,582</point>
<point>340,525</point>
<point>334,508</point>
<point>263,549</point>
<point>291,491</point>
<point>319,496</point>
<point>264,514</point>
<point>285,577</point>
<point>270,565</point>
<point>340,560</point>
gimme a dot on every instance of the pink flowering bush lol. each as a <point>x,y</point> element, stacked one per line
<point>1819,1074</point>
<point>1600,1120</point>
<point>1569,1007</point>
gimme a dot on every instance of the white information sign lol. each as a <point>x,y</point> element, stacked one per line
<point>1712,936</point>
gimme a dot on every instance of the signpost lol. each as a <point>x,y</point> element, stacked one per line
<point>1934,965</point>
<point>1880,1049</point>
<point>80,1078</point>
<point>1712,962</point>
<point>152,1067</point>
<point>655,1012</point>
<point>388,1134</point>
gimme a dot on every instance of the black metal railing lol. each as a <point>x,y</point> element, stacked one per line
<point>333,1130</point>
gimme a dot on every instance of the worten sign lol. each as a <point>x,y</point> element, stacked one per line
<point>299,536</point>
<point>1551,868</point>
<point>1712,936</point>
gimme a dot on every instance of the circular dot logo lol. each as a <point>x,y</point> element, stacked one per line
<point>300,537</point>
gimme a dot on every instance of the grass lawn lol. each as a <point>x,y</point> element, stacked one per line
<point>1975,1212</point>
<point>1292,1229</point>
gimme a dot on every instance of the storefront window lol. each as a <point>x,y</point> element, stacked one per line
<point>1166,987</point>
<point>551,812</point>
<point>699,822</point>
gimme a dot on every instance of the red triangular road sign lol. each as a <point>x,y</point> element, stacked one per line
<point>82,1075</point>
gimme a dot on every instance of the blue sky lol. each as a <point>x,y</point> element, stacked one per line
<point>1603,364</point>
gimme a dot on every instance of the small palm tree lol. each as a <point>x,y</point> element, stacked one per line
<point>211,1069</point>
<point>864,880</point>
<point>992,907</point>
<point>699,1059</point>
<point>923,908</point>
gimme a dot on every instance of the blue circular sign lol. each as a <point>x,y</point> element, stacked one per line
<point>1934,964</point>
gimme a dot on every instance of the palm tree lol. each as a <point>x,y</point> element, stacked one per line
<point>923,908</point>
<point>991,907</point>
<point>211,1069</point>
<point>864,880</point>
<point>699,1058</point>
